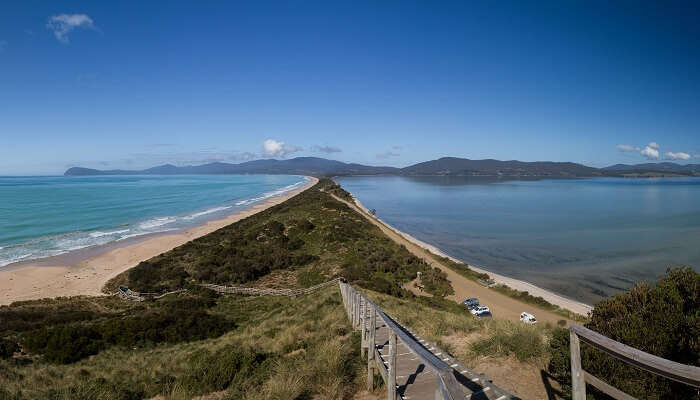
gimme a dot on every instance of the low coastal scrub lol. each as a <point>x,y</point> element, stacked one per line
<point>662,319</point>
<point>278,348</point>
<point>313,234</point>
<point>525,342</point>
<point>177,319</point>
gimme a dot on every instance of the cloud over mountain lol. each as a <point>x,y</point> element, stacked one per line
<point>677,156</point>
<point>274,148</point>
<point>650,152</point>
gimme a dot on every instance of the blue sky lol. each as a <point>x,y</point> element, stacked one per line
<point>136,84</point>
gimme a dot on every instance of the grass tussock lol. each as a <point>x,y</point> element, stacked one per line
<point>457,332</point>
<point>280,349</point>
<point>524,342</point>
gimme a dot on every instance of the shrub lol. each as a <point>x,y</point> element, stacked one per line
<point>169,321</point>
<point>523,341</point>
<point>211,372</point>
<point>65,344</point>
<point>7,348</point>
<point>661,319</point>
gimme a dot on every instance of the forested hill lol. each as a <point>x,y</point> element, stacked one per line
<point>323,167</point>
<point>663,167</point>
<point>446,166</point>
<point>299,166</point>
<point>466,167</point>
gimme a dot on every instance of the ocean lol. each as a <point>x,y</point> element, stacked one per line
<point>48,216</point>
<point>583,238</point>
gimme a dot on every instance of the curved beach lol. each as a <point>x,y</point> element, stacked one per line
<point>47,279</point>
<point>556,299</point>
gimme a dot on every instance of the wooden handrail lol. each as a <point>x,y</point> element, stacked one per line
<point>448,386</point>
<point>687,374</point>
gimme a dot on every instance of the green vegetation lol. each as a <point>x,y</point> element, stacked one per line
<point>442,321</point>
<point>313,234</point>
<point>197,342</point>
<point>661,319</point>
<point>7,348</point>
<point>277,348</point>
<point>335,189</point>
<point>524,341</point>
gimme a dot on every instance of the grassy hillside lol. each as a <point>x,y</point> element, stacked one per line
<point>281,348</point>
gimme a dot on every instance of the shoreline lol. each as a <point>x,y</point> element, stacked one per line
<point>554,298</point>
<point>66,275</point>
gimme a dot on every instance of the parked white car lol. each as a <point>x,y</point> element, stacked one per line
<point>480,310</point>
<point>527,318</point>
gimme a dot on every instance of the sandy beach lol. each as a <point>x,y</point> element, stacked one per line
<point>561,301</point>
<point>87,277</point>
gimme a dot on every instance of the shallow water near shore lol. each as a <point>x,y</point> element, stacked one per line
<point>583,238</point>
<point>49,216</point>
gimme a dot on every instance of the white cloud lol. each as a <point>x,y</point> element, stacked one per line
<point>274,148</point>
<point>62,24</point>
<point>627,148</point>
<point>653,145</point>
<point>650,152</point>
<point>677,156</point>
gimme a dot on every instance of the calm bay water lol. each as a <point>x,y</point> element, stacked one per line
<point>47,216</point>
<point>583,238</point>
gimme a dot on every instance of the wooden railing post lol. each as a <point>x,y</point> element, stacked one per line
<point>391,384</point>
<point>359,311</point>
<point>354,308</point>
<point>356,302</point>
<point>370,348</point>
<point>578,385</point>
<point>365,328</point>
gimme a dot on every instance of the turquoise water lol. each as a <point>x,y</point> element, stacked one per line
<point>584,238</point>
<point>48,216</point>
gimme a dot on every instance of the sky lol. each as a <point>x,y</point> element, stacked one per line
<point>137,84</point>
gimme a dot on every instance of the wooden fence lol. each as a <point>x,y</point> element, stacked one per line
<point>270,292</point>
<point>130,295</point>
<point>449,384</point>
<point>687,374</point>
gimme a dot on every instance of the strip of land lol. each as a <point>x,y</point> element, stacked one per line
<point>87,277</point>
<point>501,306</point>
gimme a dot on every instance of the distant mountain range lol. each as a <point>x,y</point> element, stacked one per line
<point>446,166</point>
<point>688,169</point>
<point>295,166</point>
